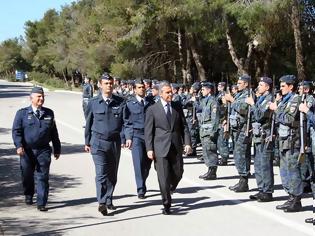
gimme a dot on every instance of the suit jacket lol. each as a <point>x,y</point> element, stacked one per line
<point>159,134</point>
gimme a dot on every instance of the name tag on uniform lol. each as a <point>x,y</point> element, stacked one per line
<point>47,118</point>
<point>29,117</point>
<point>115,108</point>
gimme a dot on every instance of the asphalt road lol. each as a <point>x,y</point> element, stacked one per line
<point>200,207</point>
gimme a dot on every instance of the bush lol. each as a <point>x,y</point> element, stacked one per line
<point>45,79</point>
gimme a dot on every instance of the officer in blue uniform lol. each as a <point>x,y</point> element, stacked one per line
<point>33,129</point>
<point>134,133</point>
<point>87,93</point>
<point>103,130</point>
<point>287,118</point>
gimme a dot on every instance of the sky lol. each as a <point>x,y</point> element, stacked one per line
<point>14,13</point>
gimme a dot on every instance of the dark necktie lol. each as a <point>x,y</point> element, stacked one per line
<point>142,102</point>
<point>37,113</point>
<point>107,101</point>
<point>168,113</point>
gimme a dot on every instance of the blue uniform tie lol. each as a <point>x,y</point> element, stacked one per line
<point>37,113</point>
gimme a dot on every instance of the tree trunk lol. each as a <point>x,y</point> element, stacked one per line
<point>295,21</point>
<point>65,78</point>
<point>188,65</point>
<point>266,69</point>
<point>237,62</point>
<point>181,57</point>
<point>196,57</point>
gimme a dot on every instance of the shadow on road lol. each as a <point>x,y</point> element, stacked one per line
<point>68,148</point>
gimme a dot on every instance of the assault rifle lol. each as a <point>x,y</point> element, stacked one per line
<point>270,138</point>
<point>303,130</point>
<point>227,128</point>
<point>246,140</point>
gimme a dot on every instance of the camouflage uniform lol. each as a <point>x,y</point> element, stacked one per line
<point>306,165</point>
<point>209,122</point>
<point>189,109</point>
<point>238,118</point>
<point>263,162</point>
<point>287,116</point>
<point>223,142</point>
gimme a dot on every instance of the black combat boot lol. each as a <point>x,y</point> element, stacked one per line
<point>222,162</point>
<point>255,196</point>
<point>234,186</point>
<point>295,205</point>
<point>286,204</point>
<point>276,161</point>
<point>205,174</point>
<point>243,185</point>
<point>265,197</point>
<point>212,174</point>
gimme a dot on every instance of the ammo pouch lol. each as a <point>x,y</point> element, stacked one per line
<point>233,121</point>
<point>206,130</point>
<point>256,128</point>
<point>284,131</point>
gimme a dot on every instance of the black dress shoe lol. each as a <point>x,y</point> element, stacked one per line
<point>141,196</point>
<point>166,211</point>
<point>309,220</point>
<point>103,209</point>
<point>111,207</point>
<point>28,200</point>
<point>42,208</point>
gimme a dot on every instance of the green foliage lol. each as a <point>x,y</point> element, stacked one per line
<point>140,38</point>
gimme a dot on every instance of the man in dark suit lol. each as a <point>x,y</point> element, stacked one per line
<point>165,133</point>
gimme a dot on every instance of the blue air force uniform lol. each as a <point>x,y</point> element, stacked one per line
<point>134,130</point>
<point>103,134</point>
<point>34,133</point>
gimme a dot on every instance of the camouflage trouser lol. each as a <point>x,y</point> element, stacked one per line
<point>85,102</point>
<point>223,145</point>
<point>241,152</point>
<point>209,150</point>
<point>263,165</point>
<point>290,172</point>
<point>194,133</point>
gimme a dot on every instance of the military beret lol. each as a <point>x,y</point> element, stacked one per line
<point>308,84</point>
<point>245,78</point>
<point>266,80</point>
<point>289,79</point>
<point>106,76</point>
<point>196,86</point>
<point>221,84</point>
<point>138,81</point>
<point>37,89</point>
<point>155,82</point>
<point>207,85</point>
<point>175,86</point>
